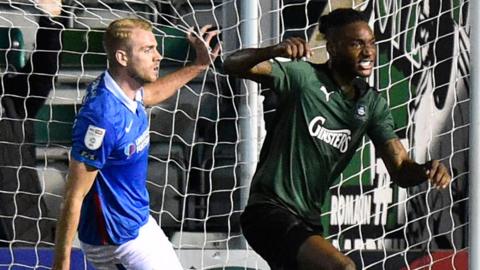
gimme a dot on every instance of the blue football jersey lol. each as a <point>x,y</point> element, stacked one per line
<point>111,134</point>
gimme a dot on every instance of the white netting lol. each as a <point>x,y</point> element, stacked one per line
<point>202,137</point>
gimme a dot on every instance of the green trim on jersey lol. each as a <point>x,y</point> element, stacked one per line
<point>316,132</point>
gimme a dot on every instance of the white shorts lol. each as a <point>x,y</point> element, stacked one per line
<point>150,250</point>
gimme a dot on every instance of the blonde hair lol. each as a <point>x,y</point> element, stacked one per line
<point>118,34</point>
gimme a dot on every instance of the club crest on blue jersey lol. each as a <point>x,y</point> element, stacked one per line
<point>130,149</point>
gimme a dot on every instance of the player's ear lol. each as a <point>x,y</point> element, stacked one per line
<point>331,48</point>
<point>121,57</point>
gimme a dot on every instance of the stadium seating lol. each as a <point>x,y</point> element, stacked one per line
<point>11,48</point>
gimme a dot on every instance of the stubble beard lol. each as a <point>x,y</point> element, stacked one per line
<point>142,80</point>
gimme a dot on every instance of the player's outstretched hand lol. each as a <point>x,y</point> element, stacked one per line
<point>437,174</point>
<point>201,43</point>
<point>52,8</point>
<point>293,48</point>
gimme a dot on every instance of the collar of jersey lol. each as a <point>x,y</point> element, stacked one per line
<point>113,87</point>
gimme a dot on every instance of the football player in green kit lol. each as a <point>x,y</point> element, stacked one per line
<point>323,113</point>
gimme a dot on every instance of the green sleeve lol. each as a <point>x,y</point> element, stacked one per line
<point>381,126</point>
<point>287,76</point>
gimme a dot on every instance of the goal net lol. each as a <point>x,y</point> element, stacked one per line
<point>205,139</point>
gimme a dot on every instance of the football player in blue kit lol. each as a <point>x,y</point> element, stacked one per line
<point>106,196</point>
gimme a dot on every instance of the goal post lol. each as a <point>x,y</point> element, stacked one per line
<point>250,38</point>
<point>474,161</point>
<point>205,140</point>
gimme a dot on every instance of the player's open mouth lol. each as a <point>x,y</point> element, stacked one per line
<point>366,64</point>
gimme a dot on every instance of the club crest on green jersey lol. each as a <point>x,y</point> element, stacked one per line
<point>360,112</point>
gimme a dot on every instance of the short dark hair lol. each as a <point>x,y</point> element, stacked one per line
<point>331,22</point>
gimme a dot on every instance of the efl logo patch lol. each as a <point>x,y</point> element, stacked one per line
<point>94,137</point>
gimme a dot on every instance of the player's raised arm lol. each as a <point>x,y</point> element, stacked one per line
<point>253,64</point>
<point>405,172</point>
<point>165,86</point>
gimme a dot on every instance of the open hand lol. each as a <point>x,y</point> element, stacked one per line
<point>201,43</point>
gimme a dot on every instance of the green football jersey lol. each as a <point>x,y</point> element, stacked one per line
<point>316,132</point>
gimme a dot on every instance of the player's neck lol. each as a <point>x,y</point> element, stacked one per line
<point>344,82</point>
<point>128,84</point>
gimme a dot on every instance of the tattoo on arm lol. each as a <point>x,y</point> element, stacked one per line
<point>403,170</point>
<point>393,154</point>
